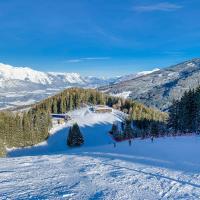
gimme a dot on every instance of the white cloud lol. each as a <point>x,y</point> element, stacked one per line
<point>164,6</point>
<point>87,59</point>
<point>96,58</point>
<point>74,60</point>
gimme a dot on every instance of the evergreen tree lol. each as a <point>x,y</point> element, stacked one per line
<point>71,104</point>
<point>184,115</point>
<point>154,129</point>
<point>75,137</point>
<point>54,106</point>
<point>70,137</point>
<point>2,149</point>
<point>128,131</point>
<point>173,116</point>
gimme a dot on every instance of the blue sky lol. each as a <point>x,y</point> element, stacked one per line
<point>98,37</point>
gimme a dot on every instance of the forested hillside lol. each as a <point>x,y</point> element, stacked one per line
<point>147,120</point>
<point>184,114</point>
<point>158,89</point>
<point>31,127</point>
<point>74,98</point>
<point>23,129</point>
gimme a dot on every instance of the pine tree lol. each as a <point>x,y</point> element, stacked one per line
<point>71,104</point>
<point>70,137</point>
<point>184,115</point>
<point>197,102</point>
<point>54,106</point>
<point>173,116</point>
<point>75,137</point>
<point>154,129</point>
<point>2,149</point>
<point>128,131</point>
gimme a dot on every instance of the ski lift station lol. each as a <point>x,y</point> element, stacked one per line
<point>60,118</point>
<point>101,109</point>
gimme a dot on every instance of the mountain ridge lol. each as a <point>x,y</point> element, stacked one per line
<point>160,88</point>
<point>22,85</point>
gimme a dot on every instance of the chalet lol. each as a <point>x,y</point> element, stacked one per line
<point>101,109</point>
<point>60,118</point>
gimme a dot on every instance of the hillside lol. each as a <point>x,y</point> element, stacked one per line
<point>158,89</point>
<point>168,168</point>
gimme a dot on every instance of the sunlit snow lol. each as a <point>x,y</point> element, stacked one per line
<point>168,168</point>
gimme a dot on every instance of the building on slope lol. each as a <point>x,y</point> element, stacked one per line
<point>101,109</point>
<point>60,118</point>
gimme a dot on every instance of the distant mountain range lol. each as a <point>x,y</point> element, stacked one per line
<point>158,89</point>
<point>24,78</point>
<point>23,85</point>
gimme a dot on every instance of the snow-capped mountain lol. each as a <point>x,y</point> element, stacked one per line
<point>20,78</point>
<point>71,78</point>
<point>23,85</point>
<point>11,76</point>
<point>8,73</point>
<point>135,75</point>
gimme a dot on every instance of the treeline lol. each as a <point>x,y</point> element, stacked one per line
<point>150,128</point>
<point>184,114</point>
<point>74,98</point>
<point>128,129</point>
<point>123,131</point>
<point>23,129</point>
<point>71,99</point>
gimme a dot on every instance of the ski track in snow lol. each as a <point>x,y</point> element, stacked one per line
<point>168,168</point>
<point>91,176</point>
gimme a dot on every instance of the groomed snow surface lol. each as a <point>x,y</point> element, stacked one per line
<point>168,168</point>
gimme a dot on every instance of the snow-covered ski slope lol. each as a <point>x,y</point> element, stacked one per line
<point>168,168</point>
